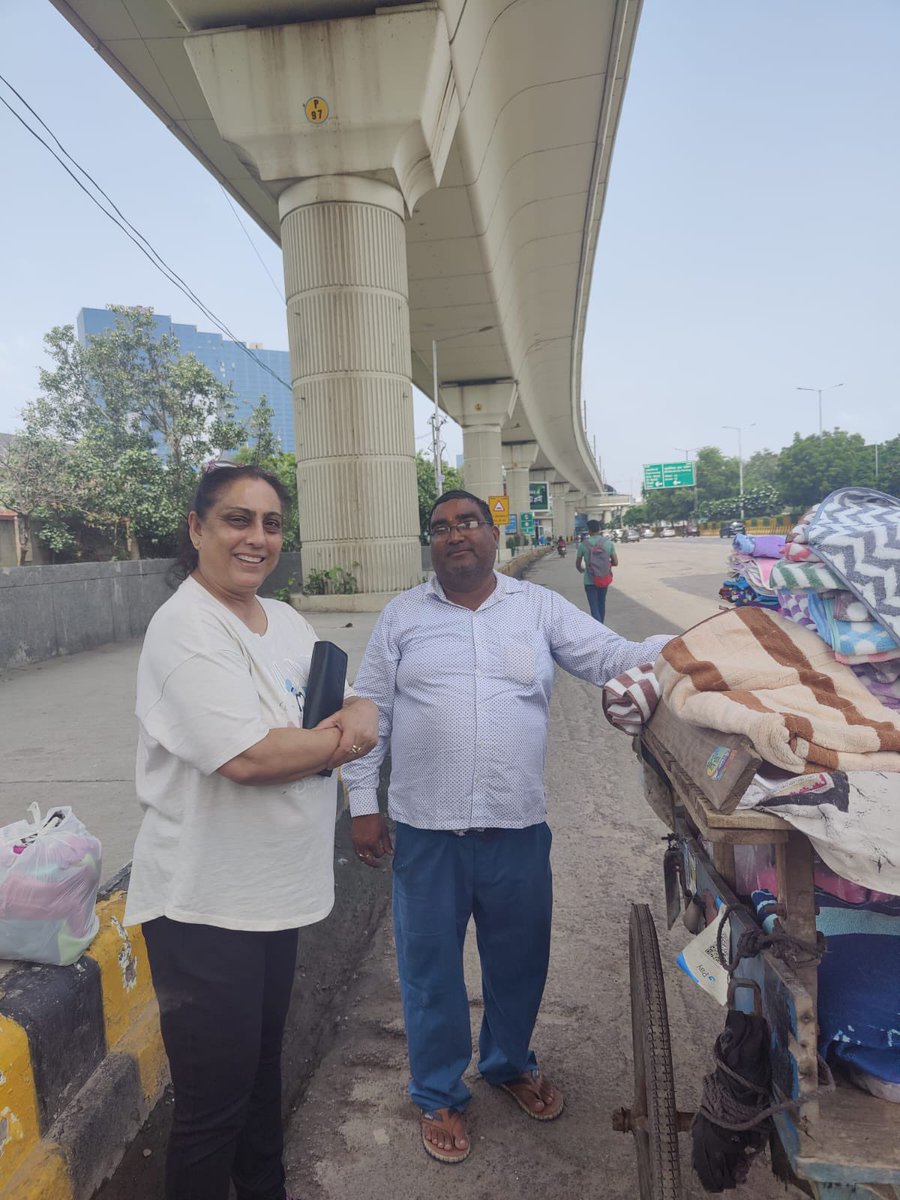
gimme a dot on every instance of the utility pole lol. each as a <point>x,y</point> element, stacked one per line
<point>739,430</point>
<point>436,424</point>
<point>818,392</point>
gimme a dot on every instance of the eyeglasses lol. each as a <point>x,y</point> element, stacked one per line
<point>467,525</point>
<point>216,464</point>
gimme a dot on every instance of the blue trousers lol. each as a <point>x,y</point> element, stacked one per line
<point>502,879</point>
<point>596,598</point>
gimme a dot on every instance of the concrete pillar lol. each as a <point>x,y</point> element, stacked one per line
<point>558,492</point>
<point>352,119</point>
<point>348,328</point>
<point>517,459</point>
<point>481,409</point>
<point>572,499</point>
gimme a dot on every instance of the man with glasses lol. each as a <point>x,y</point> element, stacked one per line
<point>461,669</point>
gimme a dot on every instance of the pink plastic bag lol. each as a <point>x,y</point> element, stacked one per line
<point>49,876</point>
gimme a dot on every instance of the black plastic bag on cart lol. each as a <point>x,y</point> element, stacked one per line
<point>735,1093</point>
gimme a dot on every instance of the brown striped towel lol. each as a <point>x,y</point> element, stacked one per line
<point>750,671</point>
<point>629,699</point>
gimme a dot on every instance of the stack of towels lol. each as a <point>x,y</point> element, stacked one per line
<point>752,561</point>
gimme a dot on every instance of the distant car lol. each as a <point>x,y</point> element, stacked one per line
<point>731,529</point>
<point>648,533</point>
<point>631,535</point>
<point>691,530</point>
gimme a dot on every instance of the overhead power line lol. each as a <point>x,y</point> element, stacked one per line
<point>119,219</point>
<point>262,261</point>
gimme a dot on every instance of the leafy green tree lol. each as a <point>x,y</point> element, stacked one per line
<point>762,501</point>
<point>453,478</point>
<point>636,515</point>
<point>761,469</point>
<point>811,467</point>
<point>263,449</point>
<point>888,466</point>
<point>668,504</point>
<point>262,439</point>
<point>717,476</point>
<point>34,484</point>
<point>137,420</point>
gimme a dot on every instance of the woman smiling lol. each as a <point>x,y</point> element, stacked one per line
<point>235,850</point>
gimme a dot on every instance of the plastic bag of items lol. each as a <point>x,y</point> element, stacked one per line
<point>49,876</point>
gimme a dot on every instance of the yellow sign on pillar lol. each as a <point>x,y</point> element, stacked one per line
<point>316,110</point>
<point>499,506</point>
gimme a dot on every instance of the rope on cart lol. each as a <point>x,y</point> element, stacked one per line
<point>788,949</point>
<point>719,1105</point>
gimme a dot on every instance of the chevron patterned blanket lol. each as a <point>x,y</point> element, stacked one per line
<point>856,531</point>
<point>753,672</point>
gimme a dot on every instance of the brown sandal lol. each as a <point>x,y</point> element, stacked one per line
<point>528,1088</point>
<point>449,1120</point>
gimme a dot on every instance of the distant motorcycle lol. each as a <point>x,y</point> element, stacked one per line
<point>561,549</point>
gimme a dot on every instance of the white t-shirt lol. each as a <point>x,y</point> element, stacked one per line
<point>210,851</point>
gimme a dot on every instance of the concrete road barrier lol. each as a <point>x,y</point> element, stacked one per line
<point>81,1062</point>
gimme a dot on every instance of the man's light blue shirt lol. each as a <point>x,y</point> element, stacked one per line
<point>464,701</point>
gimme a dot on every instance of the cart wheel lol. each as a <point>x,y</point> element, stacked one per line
<point>653,1114</point>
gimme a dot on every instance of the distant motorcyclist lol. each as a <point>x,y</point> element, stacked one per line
<point>561,547</point>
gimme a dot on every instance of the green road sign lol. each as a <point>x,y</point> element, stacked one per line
<point>669,475</point>
<point>527,521</point>
<point>537,497</point>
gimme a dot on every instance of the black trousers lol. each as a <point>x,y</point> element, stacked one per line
<point>223,1001</point>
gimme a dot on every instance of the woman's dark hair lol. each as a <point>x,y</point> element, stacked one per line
<point>213,481</point>
<point>459,494</point>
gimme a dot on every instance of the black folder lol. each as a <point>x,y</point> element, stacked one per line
<point>325,686</point>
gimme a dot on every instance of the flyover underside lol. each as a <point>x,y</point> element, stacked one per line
<point>436,176</point>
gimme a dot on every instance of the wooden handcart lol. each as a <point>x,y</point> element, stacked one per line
<point>833,1140</point>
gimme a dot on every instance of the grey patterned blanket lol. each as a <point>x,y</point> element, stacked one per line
<point>856,531</point>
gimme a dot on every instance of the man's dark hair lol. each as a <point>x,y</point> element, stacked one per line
<point>593,526</point>
<point>459,494</point>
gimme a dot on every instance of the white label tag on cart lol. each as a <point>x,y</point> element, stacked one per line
<point>700,960</point>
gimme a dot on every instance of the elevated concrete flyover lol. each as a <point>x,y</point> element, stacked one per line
<point>435,174</point>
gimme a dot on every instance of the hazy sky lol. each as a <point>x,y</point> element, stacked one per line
<point>749,244</point>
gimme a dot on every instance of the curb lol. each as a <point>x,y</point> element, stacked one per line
<point>81,1062</point>
<point>517,565</point>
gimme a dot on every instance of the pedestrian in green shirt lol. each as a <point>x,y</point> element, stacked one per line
<point>595,558</point>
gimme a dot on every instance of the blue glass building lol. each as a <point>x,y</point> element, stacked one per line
<point>248,379</point>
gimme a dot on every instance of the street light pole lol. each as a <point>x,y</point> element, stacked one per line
<point>739,430</point>
<point>819,392</point>
<point>687,458</point>
<point>436,424</point>
<point>436,419</point>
